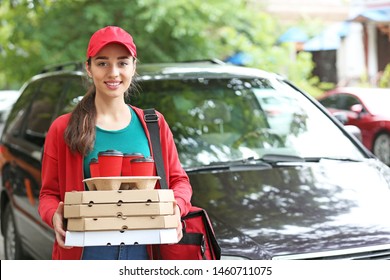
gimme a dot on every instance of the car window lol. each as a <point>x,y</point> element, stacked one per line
<point>7,99</point>
<point>221,120</point>
<point>75,90</point>
<point>348,101</point>
<point>331,101</point>
<point>18,112</point>
<point>43,109</point>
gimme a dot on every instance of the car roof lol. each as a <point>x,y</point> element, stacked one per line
<point>199,69</point>
<point>190,69</point>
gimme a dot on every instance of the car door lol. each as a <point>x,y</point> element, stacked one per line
<point>25,135</point>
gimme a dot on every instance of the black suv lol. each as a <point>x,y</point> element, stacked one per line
<point>279,176</point>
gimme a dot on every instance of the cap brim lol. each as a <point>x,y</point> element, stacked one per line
<point>94,52</point>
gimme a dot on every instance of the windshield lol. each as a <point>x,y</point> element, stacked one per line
<point>222,120</point>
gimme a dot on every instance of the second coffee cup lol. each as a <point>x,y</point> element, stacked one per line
<point>110,163</point>
<point>126,164</point>
<point>142,167</point>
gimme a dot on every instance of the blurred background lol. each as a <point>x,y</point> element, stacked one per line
<point>318,44</point>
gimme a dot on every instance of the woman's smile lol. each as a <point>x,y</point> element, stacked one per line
<point>113,84</point>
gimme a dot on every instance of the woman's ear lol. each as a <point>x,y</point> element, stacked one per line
<point>88,69</point>
<point>135,65</point>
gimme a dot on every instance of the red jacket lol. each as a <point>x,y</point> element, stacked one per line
<point>62,171</point>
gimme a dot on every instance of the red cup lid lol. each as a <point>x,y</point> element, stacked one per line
<point>110,153</point>
<point>148,159</point>
<point>133,154</point>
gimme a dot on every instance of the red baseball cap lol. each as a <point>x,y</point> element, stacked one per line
<point>107,35</point>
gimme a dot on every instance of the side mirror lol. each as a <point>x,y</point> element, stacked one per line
<point>357,108</point>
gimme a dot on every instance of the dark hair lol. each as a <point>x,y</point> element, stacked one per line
<point>80,133</point>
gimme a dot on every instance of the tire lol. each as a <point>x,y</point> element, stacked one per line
<point>381,148</point>
<point>12,245</point>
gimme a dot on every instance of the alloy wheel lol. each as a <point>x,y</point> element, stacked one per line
<point>10,235</point>
<point>381,148</point>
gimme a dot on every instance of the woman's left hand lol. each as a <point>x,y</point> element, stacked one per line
<point>179,229</point>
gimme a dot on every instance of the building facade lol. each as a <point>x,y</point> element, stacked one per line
<point>354,46</point>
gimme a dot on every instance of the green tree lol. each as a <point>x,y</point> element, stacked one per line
<point>36,33</point>
<point>384,81</point>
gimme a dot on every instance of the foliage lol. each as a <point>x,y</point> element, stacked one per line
<point>36,33</point>
<point>384,81</point>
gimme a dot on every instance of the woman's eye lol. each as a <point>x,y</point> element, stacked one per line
<point>102,64</point>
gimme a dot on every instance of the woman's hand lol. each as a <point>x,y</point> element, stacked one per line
<point>179,229</point>
<point>58,225</point>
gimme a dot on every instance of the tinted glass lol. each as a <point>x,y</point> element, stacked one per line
<point>348,102</point>
<point>76,88</point>
<point>43,109</point>
<point>221,120</point>
<point>331,101</point>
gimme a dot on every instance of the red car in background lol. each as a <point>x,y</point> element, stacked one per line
<point>369,110</point>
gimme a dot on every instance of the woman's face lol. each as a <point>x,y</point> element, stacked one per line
<point>112,70</point>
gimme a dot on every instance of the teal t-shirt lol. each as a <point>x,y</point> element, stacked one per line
<point>131,139</point>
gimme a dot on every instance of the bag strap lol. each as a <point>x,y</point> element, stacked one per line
<point>151,120</point>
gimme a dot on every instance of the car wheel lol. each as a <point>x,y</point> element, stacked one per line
<point>12,244</point>
<point>381,148</point>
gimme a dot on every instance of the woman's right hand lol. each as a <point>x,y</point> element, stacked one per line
<point>58,225</point>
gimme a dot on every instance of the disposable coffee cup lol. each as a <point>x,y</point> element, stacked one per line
<point>110,163</point>
<point>126,163</point>
<point>142,167</point>
<point>94,168</point>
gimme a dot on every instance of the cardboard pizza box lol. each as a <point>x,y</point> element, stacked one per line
<point>121,209</point>
<point>127,237</point>
<point>118,196</point>
<point>122,223</point>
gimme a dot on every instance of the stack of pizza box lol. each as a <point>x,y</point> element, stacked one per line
<point>121,216</point>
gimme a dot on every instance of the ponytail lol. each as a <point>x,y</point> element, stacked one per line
<point>81,129</point>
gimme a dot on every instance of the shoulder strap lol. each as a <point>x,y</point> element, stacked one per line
<point>151,120</point>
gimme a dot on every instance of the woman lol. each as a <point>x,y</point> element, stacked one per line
<point>101,121</point>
